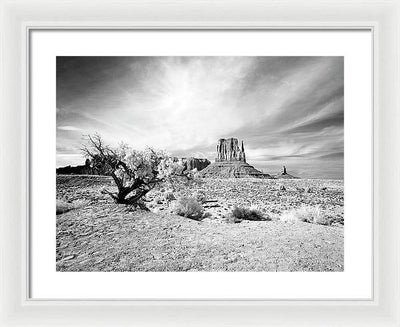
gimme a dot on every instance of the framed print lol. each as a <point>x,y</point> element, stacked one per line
<point>182,194</point>
<point>229,170</point>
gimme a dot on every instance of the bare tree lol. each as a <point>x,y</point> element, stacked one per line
<point>134,172</point>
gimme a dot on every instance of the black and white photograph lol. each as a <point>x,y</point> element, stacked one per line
<point>185,164</point>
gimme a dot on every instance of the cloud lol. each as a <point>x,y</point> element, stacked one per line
<point>68,128</point>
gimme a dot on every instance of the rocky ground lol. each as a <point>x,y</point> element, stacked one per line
<point>99,235</point>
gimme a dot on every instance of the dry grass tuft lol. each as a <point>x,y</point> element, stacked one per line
<point>308,214</point>
<point>248,214</point>
<point>189,207</point>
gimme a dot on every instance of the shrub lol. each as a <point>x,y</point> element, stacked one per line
<point>248,214</point>
<point>63,207</point>
<point>200,196</point>
<point>289,216</point>
<point>189,207</point>
<point>308,214</point>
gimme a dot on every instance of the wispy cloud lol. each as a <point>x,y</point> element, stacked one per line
<point>68,128</point>
<point>288,110</point>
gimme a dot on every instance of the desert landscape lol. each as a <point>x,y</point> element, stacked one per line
<point>95,234</point>
<point>200,163</point>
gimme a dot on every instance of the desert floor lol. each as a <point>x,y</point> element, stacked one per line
<point>99,235</point>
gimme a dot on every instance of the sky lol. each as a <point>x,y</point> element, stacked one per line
<point>287,110</point>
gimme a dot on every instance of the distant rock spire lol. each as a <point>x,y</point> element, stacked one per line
<point>243,153</point>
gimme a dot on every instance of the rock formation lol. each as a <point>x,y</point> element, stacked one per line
<point>285,175</point>
<point>195,163</point>
<point>230,162</point>
<point>229,150</point>
<point>85,169</point>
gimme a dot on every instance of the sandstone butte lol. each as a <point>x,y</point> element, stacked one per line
<point>230,162</point>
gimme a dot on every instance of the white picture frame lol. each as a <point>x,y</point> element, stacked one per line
<point>19,18</point>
